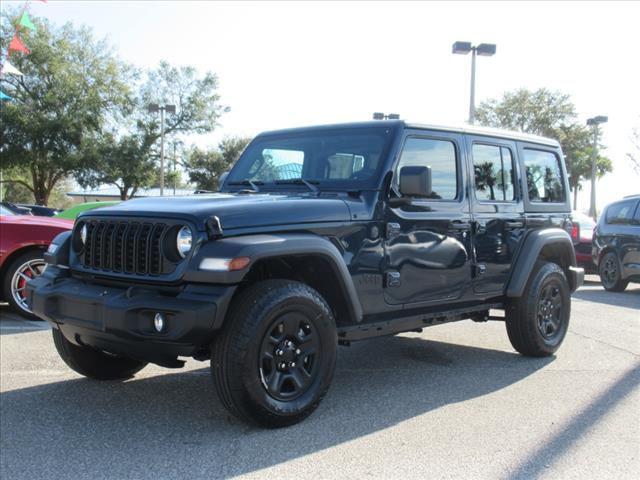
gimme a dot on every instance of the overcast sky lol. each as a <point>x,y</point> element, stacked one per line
<point>291,64</point>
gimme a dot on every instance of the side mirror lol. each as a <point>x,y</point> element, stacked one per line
<point>415,181</point>
<point>222,178</point>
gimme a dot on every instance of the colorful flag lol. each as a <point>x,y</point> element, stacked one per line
<point>4,96</point>
<point>26,22</point>
<point>17,45</point>
<point>8,68</point>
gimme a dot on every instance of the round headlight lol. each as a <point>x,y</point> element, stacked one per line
<point>184,240</point>
<point>83,234</point>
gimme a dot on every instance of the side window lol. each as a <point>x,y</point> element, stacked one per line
<point>544,178</point>
<point>636,217</point>
<point>493,171</point>
<point>440,155</point>
<point>621,213</point>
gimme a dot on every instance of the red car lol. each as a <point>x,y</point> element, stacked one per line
<point>23,241</point>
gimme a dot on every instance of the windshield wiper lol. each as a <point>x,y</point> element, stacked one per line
<point>311,184</point>
<point>249,183</point>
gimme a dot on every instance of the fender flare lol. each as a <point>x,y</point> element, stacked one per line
<point>262,246</point>
<point>529,253</point>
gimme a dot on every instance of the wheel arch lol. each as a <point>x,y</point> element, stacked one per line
<point>552,245</point>
<point>307,258</point>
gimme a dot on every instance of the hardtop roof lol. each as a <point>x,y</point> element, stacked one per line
<point>467,129</point>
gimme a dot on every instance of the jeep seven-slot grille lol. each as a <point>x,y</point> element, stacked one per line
<point>129,247</point>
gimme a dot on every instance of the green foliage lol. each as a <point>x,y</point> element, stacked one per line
<point>70,85</point>
<point>124,162</point>
<point>128,155</point>
<point>540,112</point>
<point>204,167</point>
<point>550,114</point>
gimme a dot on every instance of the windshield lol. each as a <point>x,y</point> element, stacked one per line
<point>5,211</point>
<point>336,157</point>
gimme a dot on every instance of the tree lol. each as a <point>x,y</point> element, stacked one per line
<point>124,162</point>
<point>204,167</point>
<point>134,137</point>
<point>634,156</point>
<point>71,82</point>
<point>550,114</point>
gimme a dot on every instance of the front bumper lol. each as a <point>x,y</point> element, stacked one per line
<point>120,320</point>
<point>576,279</point>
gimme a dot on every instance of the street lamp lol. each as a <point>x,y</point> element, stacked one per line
<point>155,108</point>
<point>594,122</point>
<point>484,50</point>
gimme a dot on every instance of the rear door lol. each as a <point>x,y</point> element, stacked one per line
<point>497,210</point>
<point>428,243</point>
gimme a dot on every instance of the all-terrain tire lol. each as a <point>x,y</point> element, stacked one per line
<point>271,318</point>
<point>610,271</point>
<point>537,322</point>
<point>93,363</point>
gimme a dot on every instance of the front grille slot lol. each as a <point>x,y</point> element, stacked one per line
<point>126,247</point>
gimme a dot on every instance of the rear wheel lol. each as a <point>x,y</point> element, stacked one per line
<point>25,267</point>
<point>610,273</point>
<point>537,322</point>
<point>274,359</point>
<point>94,363</point>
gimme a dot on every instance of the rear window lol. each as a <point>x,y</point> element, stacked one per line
<point>621,213</point>
<point>544,177</point>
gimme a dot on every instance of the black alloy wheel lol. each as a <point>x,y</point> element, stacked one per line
<point>289,357</point>
<point>273,360</point>
<point>610,274</point>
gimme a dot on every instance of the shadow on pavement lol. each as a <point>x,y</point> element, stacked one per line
<point>173,426</point>
<point>12,323</point>
<point>562,441</point>
<point>630,298</point>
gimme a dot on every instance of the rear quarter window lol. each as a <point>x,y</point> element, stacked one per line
<point>545,183</point>
<point>621,213</point>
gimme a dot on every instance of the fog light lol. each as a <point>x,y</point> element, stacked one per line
<point>158,322</point>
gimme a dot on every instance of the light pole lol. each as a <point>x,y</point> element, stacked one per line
<point>154,108</point>
<point>484,50</point>
<point>594,122</point>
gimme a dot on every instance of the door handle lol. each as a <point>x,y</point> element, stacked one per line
<point>458,225</point>
<point>514,224</point>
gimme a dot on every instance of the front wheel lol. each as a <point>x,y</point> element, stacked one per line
<point>274,359</point>
<point>537,322</point>
<point>93,363</point>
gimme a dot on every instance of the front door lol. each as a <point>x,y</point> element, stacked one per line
<point>428,243</point>
<point>498,212</point>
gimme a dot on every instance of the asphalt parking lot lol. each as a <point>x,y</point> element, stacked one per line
<point>454,401</point>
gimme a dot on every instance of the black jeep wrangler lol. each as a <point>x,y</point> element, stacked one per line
<point>319,236</point>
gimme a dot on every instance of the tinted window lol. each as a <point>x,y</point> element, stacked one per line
<point>544,177</point>
<point>493,168</point>
<point>636,217</point>
<point>5,211</point>
<point>621,213</point>
<point>440,155</point>
<point>332,156</point>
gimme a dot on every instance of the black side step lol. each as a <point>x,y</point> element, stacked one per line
<point>411,323</point>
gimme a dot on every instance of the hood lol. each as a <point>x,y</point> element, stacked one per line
<point>235,210</point>
<point>37,220</point>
